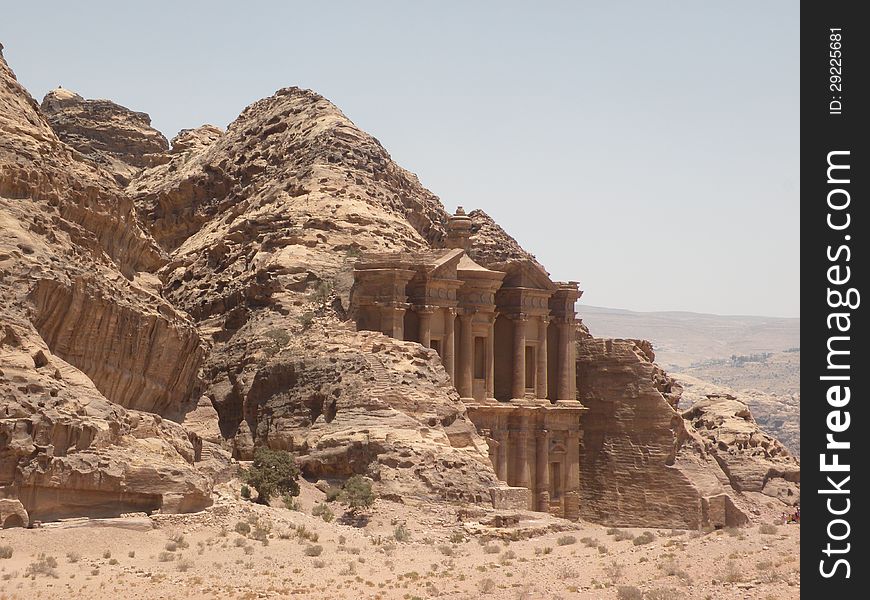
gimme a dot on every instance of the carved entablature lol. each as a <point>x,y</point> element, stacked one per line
<point>532,302</point>
<point>527,289</point>
<point>381,286</point>
<point>434,292</point>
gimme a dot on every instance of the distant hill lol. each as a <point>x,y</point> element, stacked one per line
<point>756,359</point>
<point>685,339</point>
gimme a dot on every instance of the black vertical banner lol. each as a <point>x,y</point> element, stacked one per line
<point>835,432</point>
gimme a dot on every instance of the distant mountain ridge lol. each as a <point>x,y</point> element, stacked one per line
<point>684,339</point>
<point>756,359</point>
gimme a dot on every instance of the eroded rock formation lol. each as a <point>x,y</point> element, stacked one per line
<point>83,334</point>
<point>120,140</point>
<point>645,463</point>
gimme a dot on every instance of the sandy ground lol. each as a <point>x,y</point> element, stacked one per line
<point>203,556</point>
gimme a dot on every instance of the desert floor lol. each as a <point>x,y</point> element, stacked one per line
<point>282,553</point>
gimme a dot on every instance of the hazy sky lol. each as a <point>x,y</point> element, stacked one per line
<point>649,150</point>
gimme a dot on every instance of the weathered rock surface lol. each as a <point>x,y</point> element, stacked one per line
<point>82,334</point>
<point>263,224</point>
<point>644,463</point>
<point>753,460</point>
<point>492,245</point>
<point>120,140</point>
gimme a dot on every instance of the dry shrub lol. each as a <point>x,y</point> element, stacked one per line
<point>566,540</point>
<point>732,573</point>
<point>645,538</point>
<point>487,586</point>
<point>767,529</point>
<point>614,571</point>
<point>629,592</point>
<point>43,565</point>
<point>184,564</point>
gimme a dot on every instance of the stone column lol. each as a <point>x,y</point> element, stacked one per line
<point>501,469</point>
<point>567,369</point>
<point>399,323</point>
<point>572,476</point>
<point>425,318</point>
<point>466,357</point>
<point>448,354</point>
<point>541,379</point>
<point>523,472</point>
<point>393,321</point>
<point>490,358</point>
<point>543,482</point>
<point>519,372</point>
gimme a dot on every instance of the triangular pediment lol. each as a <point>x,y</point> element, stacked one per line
<point>526,274</point>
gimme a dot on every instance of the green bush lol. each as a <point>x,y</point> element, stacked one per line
<point>243,528</point>
<point>323,511</point>
<point>246,492</point>
<point>273,472</point>
<point>332,493</point>
<point>402,534</point>
<point>357,494</point>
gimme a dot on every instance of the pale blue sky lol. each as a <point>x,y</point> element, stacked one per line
<point>648,149</point>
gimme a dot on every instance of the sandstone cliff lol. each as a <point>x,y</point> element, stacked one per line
<point>646,463</point>
<point>120,140</point>
<point>83,335</point>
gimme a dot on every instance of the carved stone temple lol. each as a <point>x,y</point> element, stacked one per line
<point>505,334</point>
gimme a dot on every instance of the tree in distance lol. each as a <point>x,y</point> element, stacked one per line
<point>273,472</point>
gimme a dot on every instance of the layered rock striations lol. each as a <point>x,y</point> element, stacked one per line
<point>120,140</point>
<point>84,335</point>
<point>644,462</point>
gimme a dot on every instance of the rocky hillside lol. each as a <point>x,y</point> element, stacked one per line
<point>91,357</point>
<point>120,140</point>
<point>153,331</point>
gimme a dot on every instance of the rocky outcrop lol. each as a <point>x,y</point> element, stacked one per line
<point>77,199</point>
<point>296,157</point>
<point>78,307</point>
<point>492,245</point>
<point>195,140</point>
<point>263,224</point>
<point>643,463</point>
<point>120,140</point>
<point>753,460</point>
